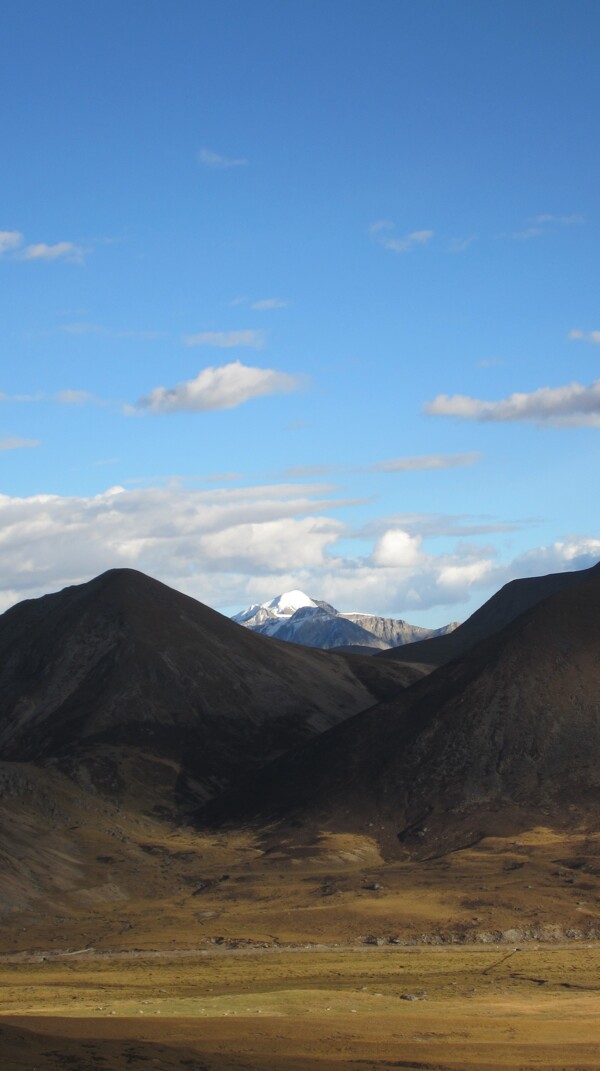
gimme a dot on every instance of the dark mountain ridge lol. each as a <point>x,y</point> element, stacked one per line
<point>508,733</point>
<point>511,600</point>
<point>125,661</point>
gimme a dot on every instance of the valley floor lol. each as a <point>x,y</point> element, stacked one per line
<point>368,1009</point>
<point>169,949</point>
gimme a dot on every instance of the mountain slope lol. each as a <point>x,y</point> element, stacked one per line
<point>511,600</point>
<point>395,632</point>
<point>125,662</point>
<point>507,734</point>
<point>317,627</point>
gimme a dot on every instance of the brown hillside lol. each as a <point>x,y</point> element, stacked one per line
<point>509,731</point>
<point>126,662</point>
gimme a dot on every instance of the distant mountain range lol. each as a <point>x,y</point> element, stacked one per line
<point>296,618</point>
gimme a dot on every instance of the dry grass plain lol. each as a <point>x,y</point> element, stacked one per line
<point>306,952</point>
<point>484,1009</point>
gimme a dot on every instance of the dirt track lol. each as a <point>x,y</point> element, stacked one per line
<point>91,955</point>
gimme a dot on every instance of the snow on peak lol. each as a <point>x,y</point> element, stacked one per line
<point>285,605</point>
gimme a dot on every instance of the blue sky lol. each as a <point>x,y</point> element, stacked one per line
<point>299,294</point>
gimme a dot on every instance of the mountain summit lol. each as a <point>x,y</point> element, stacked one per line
<point>297,618</point>
<point>124,665</point>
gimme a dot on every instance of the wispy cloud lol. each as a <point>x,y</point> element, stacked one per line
<point>458,245</point>
<point>525,234</point>
<point>59,251</point>
<point>63,397</point>
<point>263,305</point>
<point>11,442</point>
<point>85,328</point>
<point>434,525</point>
<point>224,387</point>
<point>410,463</point>
<point>225,340</point>
<point>307,472</point>
<point>37,396</point>
<point>268,303</point>
<point>570,406</point>
<point>9,241</point>
<point>66,396</point>
<point>209,158</point>
<point>585,336</point>
<point>383,233</point>
<point>565,221</point>
<point>12,243</point>
<point>541,224</point>
<point>490,362</point>
<point>73,397</point>
<point>426,461</point>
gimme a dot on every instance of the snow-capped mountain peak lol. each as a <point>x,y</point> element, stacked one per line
<point>285,605</point>
<point>268,617</point>
<point>295,617</point>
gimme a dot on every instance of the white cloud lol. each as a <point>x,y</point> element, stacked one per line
<point>85,328</point>
<point>563,220</point>
<point>73,397</point>
<point>568,407</point>
<point>223,387</point>
<point>398,549</point>
<point>268,303</point>
<point>232,546</point>
<point>10,240</point>
<point>224,340</point>
<point>464,575</point>
<point>39,396</point>
<point>59,251</point>
<point>527,233</point>
<point>573,552</point>
<point>267,545</point>
<point>540,224</point>
<point>11,442</point>
<point>584,336</point>
<point>382,232</point>
<point>63,397</point>
<point>309,472</point>
<point>458,245</point>
<point>47,541</point>
<point>208,158</point>
<point>432,525</point>
<point>426,461</point>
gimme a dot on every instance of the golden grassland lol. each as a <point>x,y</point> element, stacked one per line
<point>305,952</point>
<point>160,887</point>
<point>306,1010</point>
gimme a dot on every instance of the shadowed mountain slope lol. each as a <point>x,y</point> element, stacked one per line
<point>509,731</point>
<point>503,607</point>
<point>126,662</point>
